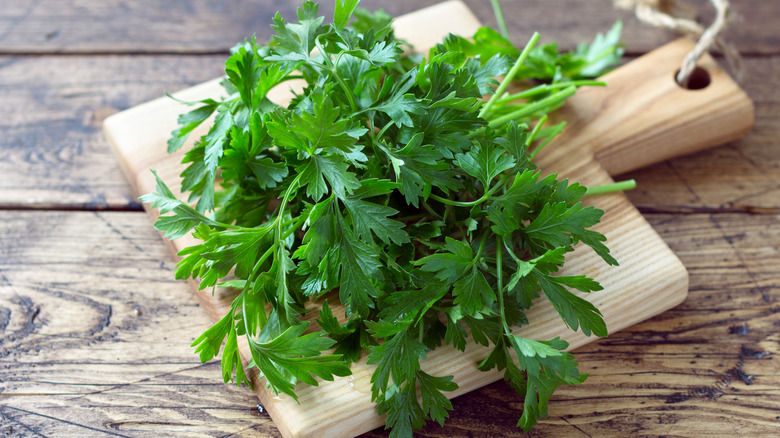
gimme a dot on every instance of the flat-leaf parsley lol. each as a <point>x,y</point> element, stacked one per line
<point>391,188</point>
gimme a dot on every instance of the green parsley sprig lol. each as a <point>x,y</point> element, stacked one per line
<point>390,188</point>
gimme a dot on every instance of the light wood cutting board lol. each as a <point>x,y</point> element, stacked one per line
<point>640,118</point>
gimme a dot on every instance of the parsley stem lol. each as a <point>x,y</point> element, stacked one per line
<point>346,89</point>
<point>509,76</point>
<point>544,88</point>
<point>610,188</point>
<point>459,203</point>
<point>297,224</point>
<point>263,258</point>
<point>289,78</point>
<point>455,203</point>
<point>500,18</point>
<point>430,210</point>
<point>512,253</point>
<point>331,67</point>
<point>557,129</point>
<point>500,280</point>
<point>533,107</point>
<point>278,238</point>
<point>293,186</point>
<point>216,223</point>
<point>249,333</point>
<point>481,247</point>
<point>290,221</point>
<point>384,129</point>
<point>533,133</point>
<point>484,197</point>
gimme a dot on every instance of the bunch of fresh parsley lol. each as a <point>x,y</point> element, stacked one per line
<point>391,189</point>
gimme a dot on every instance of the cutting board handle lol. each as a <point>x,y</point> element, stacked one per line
<point>643,116</point>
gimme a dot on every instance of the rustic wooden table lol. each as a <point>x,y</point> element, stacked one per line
<point>95,333</point>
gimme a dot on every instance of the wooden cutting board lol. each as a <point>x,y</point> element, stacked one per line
<point>640,118</point>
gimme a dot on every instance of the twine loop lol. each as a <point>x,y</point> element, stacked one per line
<point>669,14</point>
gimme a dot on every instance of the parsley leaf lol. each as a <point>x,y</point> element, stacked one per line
<point>369,217</point>
<point>484,163</point>
<point>189,121</point>
<point>184,217</point>
<point>298,38</point>
<point>359,262</point>
<point>418,168</point>
<point>295,356</point>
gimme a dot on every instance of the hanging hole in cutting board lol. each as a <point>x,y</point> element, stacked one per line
<point>699,78</point>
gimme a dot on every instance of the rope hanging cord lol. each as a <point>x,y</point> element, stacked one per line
<point>671,15</point>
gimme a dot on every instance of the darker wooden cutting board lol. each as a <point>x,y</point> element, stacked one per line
<point>640,118</point>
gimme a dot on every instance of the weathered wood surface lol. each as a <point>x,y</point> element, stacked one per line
<point>203,26</point>
<point>722,221</point>
<point>95,333</point>
<point>52,151</point>
<point>95,338</point>
<point>665,120</point>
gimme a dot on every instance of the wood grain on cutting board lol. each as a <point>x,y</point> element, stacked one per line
<point>622,133</point>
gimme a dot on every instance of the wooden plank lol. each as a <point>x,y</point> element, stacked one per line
<point>741,176</point>
<point>95,334</point>
<point>202,26</point>
<point>644,117</point>
<point>65,372</point>
<point>52,151</point>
